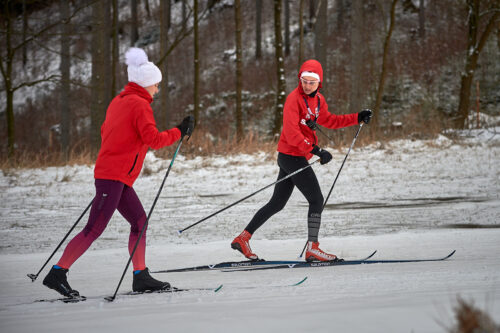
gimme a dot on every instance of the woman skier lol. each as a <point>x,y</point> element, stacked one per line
<point>305,107</point>
<point>127,132</point>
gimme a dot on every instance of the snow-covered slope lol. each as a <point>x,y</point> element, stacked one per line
<point>406,199</point>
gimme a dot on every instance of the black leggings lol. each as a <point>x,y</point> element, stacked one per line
<point>306,182</point>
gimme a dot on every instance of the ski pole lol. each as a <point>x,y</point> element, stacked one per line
<point>112,298</point>
<point>248,196</point>
<point>33,277</point>
<point>338,173</point>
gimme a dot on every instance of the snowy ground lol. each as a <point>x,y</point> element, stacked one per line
<point>405,199</point>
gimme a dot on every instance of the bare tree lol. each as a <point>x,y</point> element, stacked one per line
<point>65,77</point>
<point>258,31</point>
<point>146,7</point>
<point>357,50</point>
<point>239,79</point>
<point>100,82</point>
<point>341,9</point>
<point>184,15</point>
<point>25,31</point>
<point>115,58</point>
<point>301,32</point>
<point>312,13</point>
<point>165,11</point>
<point>287,27</point>
<point>7,56</point>
<point>196,59</point>
<point>320,37</point>
<point>280,66</point>
<point>383,73</point>
<point>134,26</point>
<point>421,19</point>
<point>475,44</point>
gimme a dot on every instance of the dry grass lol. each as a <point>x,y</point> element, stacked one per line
<point>471,319</point>
<point>204,143</point>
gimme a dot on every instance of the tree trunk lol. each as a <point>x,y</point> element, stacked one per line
<point>115,53</point>
<point>312,13</point>
<point>196,84</point>
<point>239,78</point>
<point>146,7</point>
<point>421,19</point>
<point>287,27</point>
<point>474,48</point>
<point>320,37</point>
<point>7,77</point>
<point>383,73</point>
<point>340,15</point>
<point>258,31</point>
<point>25,30</point>
<point>65,77</point>
<point>134,24</point>
<point>281,91</point>
<point>301,33</point>
<point>357,48</point>
<point>184,14</point>
<point>100,75</point>
<point>164,28</point>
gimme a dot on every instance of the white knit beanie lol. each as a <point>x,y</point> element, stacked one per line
<point>140,70</point>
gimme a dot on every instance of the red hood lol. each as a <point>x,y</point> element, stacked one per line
<point>134,89</point>
<point>314,66</point>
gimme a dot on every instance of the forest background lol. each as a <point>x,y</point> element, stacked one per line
<point>422,66</point>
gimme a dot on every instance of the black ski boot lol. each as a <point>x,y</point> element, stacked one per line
<point>144,282</point>
<point>56,279</point>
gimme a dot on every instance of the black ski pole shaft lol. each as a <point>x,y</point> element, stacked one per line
<point>338,173</point>
<point>248,196</point>
<point>112,298</point>
<point>33,277</point>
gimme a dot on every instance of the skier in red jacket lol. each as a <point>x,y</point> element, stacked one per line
<point>127,132</point>
<point>304,108</point>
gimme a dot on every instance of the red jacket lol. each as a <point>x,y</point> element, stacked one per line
<point>127,132</point>
<point>297,138</point>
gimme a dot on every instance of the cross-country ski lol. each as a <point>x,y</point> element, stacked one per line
<point>250,166</point>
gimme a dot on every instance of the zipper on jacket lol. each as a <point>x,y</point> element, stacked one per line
<point>133,165</point>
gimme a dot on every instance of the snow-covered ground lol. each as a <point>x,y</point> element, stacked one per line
<point>406,199</point>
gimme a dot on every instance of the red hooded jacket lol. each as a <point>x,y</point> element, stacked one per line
<point>127,132</point>
<point>297,138</point>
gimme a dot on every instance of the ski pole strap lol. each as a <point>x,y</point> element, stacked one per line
<point>248,196</point>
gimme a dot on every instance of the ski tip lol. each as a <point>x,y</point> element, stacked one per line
<point>452,253</point>
<point>300,282</point>
<point>218,288</point>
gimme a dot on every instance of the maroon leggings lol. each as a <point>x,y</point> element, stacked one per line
<point>110,195</point>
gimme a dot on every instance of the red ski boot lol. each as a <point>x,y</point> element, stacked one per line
<point>314,253</point>
<point>241,244</point>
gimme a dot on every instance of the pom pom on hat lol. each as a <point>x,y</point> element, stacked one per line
<point>140,70</point>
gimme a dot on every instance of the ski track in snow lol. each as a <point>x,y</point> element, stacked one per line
<point>403,200</point>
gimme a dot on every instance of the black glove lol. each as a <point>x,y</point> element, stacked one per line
<point>324,156</point>
<point>186,126</point>
<point>364,116</point>
<point>311,124</point>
